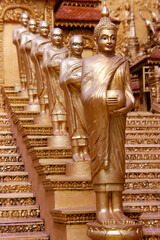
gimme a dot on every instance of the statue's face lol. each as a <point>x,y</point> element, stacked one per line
<point>44,29</point>
<point>57,37</point>
<point>32,26</point>
<point>76,46</point>
<point>24,19</point>
<point>107,41</point>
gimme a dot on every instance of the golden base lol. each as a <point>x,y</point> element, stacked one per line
<point>22,94</point>
<point>42,120</point>
<point>59,141</point>
<point>114,232</point>
<point>32,108</point>
<point>79,169</point>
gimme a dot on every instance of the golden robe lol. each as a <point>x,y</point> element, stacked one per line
<point>25,46</point>
<point>106,132</point>
<point>54,56</point>
<point>70,81</point>
<point>37,47</point>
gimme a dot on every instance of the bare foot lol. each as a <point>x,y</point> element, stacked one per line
<point>64,133</point>
<point>56,133</point>
<point>77,157</point>
<point>31,102</point>
<point>86,157</point>
<point>122,218</point>
<point>105,218</point>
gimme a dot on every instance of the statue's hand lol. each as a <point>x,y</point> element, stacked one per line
<point>120,111</point>
<point>74,78</point>
<point>112,100</point>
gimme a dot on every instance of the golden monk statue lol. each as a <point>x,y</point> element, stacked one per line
<point>37,47</point>
<point>16,40</point>
<point>107,98</point>
<point>52,58</point>
<point>25,47</point>
<point>70,81</point>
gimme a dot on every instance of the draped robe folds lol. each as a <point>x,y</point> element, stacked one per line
<point>16,40</point>
<point>106,132</point>
<point>72,68</point>
<point>25,46</point>
<point>38,45</point>
<point>54,56</point>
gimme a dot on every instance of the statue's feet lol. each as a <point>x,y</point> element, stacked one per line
<point>64,133</point>
<point>86,157</point>
<point>122,218</point>
<point>77,157</point>
<point>57,133</point>
<point>105,218</point>
<point>31,102</point>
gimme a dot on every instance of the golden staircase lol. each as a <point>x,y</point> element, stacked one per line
<point>68,202</point>
<point>19,213</point>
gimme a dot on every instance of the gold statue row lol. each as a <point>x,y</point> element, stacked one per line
<point>95,100</point>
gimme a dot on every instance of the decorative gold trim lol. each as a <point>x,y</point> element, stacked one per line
<point>87,37</point>
<point>67,185</point>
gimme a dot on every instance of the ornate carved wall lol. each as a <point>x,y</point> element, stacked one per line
<point>10,11</point>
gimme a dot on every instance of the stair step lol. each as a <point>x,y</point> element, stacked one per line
<point>142,133</point>
<point>9,199</point>
<point>5,134</point>
<point>141,194</point>
<point>150,232</point>
<point>21,211</point>
<point>36,141</point>
<point>11,166</point>
<point>3,115</point>
<point>5,127</point>
<point>8,149</point>
<point>16,157</point>
<point>25,114</point>
<point>4,121</point>
<point>25,236</point>
<point>141,122</point>
<point>142,148</point>
<point>21,225</point>
<point>150,219</point>
<point>142,140</point>
<point>50,166</point>
<point>18,100</point>
<point>26,121</point>
<point>145,206</point>
<point>13,176</point>
<point>142,164</point>
<point>142,183</point>
<point>9,88</point>
<point>143,127</point>
<point>9,141</point>
<point>15,187</point>
<point>143,155</point>
<point>143,115</point>
<point>17,107</point>
<point>143,173</point>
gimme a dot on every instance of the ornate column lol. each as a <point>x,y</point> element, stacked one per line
<point>49,15</point>
<point>1,53</point>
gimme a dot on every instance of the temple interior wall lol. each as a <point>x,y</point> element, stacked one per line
<point>11,74</point>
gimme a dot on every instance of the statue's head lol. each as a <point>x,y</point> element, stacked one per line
<point>76,45</point>
<point>24,19</point>
<point>32,25</point>
<point>44,28</point>
<point>105,34</point>
<point>57,37</point>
